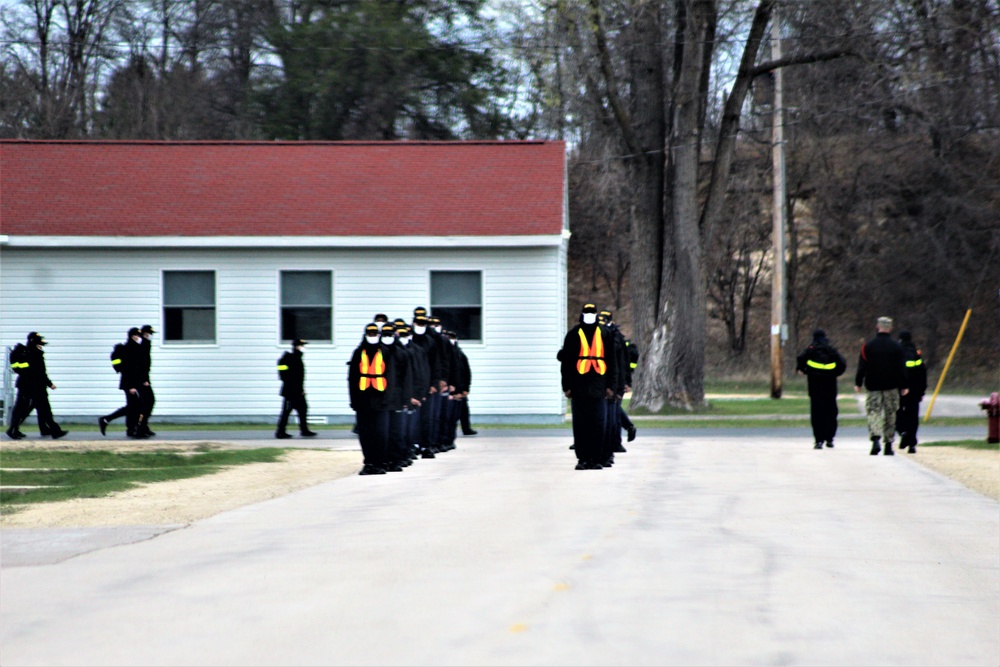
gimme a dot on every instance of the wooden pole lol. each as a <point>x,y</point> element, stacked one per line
<point>951,355</point>
<point>777,217</point>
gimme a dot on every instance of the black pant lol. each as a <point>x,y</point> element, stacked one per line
<point>398,427</point>
<point>37,400</point>
<point>612,430</point>
<point>823,413</point>
<point>908,419</point>
<point>297,403</point>
<point>147,401</point>
<point>590,417</point>
<point>625,422</point>
<point>373,434</point>
<point>464,417</point>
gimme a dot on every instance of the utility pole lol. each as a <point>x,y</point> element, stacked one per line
<point>779,330</point>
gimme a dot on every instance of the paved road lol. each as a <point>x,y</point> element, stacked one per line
<point>692,550</point>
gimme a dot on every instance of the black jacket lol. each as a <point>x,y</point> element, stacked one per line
<point>292,372</point>
<point>621,359</point>
<point>823,364</point>
<point>144,360</point>
<point>132,366</point>
<point>463,373</point>
<point>369,398</point>
<point>428,344</point>
<point>590,384</point>
<point>421,370</point>
<point>916,371</point>
<point>881,365</point>
<point>33,377</point>
<point>401,389</point>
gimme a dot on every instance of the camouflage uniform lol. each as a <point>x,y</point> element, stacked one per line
<point>882,371</point>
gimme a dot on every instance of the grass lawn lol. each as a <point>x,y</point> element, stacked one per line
<point>967,444</point>
<point>65,475</point>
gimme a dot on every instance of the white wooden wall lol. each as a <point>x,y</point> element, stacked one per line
<point>84,300</point>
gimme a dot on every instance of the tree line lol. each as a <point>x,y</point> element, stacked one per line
<point>892,136</point>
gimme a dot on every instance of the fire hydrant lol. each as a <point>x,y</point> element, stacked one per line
<point>992,407</point>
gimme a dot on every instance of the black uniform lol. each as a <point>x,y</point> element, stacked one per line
<point>613,433</point>
<point>399,395</point>
<point>589,374</point>
<point>369,378</point>
<point>292,371</point>
<point>33,384</point>
<point>427,343</point>
<point>908,415</point>
<point>144,361</point>
<point>822,364</point>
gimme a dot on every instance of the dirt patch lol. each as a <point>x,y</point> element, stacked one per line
<point>978,469</point>
<point>186,500</point>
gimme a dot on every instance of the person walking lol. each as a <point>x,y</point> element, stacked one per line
<point>430,408</point>
<point>908,416</point>
<point>125,360</point>
<point>369,377</point>
<point>822,364</point>
<point>292,371</point>
<point>588,379</point>
<point>33,384</point>
<point>882,372</point>
<point>613,436</point>
<point>144,359</point>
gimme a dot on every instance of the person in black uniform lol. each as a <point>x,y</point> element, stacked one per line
<point>423,338</point>
<point>441,399</point>
<point>822,364</point>
<point>588,380</point>
<point>882,371</point>
<point>145,362</point>
<point>292,372</point>
<point>420,384</point>
<point>908,415</point>
<point>369,377</point>
<point>33,384</point>
<point>459,390</point>
<point>399,394</point>
<point>125,359</point>
<point>632,355</point>
<point>614,426</point>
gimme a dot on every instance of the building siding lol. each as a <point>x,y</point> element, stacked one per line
<point>84,300</point>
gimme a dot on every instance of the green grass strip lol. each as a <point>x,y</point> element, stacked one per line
<point>99,473</point>
<point>965,444</point>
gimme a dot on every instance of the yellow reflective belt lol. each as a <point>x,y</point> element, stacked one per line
<point>282,367</point>
<point>24,364</point>
<point>115,362</point>
<point>822,367</point>
<point>915,362</point>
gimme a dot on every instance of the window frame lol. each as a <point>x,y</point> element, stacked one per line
<point>470,342</point>
<point>214,342</point>
<point>283,342</point>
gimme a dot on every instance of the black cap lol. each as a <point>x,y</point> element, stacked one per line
<point>420,311</point>
<point>371,329</point>
<point>403,330</point>
<point>35,338</point>
<point>606,314</point>
<point>134,331</point>
<point>388,329</point>
<point>905,336</point>
<point>299,341</point>
<point>31,335</point>
<point>420,319</point>
<point>589,308</point>
<point>147,328</point>
<point>381,316</point>
<point>434,321</point>
<point>819,333</point>
<point>451,334</point>
<point>399,322</point>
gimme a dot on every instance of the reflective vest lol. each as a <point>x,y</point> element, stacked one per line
<point>592,354</point>
<point>914,363</point>
<point>372,373</point>
<point>822,367</point>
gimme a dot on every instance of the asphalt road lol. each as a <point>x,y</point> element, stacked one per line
<point>691,550</point>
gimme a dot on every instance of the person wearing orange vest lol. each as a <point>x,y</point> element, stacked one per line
<point>589,373</point>
<point>369,378</point>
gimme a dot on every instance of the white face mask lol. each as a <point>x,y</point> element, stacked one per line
<point>388,340</point>
<point>453,340</point>
<point>419,329</point>
<point>372,340</point>
<point>404,340</point>
<point>589,318</point>
<point>438,329</point>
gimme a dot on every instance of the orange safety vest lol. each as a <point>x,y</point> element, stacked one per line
<point>376,378</point>
<point>591,355</point>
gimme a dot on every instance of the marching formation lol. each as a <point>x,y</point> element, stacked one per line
<point>409,386</point>
<point>597,363</point>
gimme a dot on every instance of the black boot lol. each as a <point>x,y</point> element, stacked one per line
<point>818,445</point>
<point>876,448</point>
<point>888,449</point>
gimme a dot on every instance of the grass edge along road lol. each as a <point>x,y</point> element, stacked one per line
<point>34,476</point>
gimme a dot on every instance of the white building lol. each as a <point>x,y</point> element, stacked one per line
<point>231,249</point>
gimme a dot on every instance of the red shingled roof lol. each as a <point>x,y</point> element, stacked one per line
<point>116,188</point>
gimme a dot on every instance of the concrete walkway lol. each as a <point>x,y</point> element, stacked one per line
<point>710,550</point>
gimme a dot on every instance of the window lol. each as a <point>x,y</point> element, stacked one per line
<point>307,305</point>
<point>457,300</point>
<point>189,306</point>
